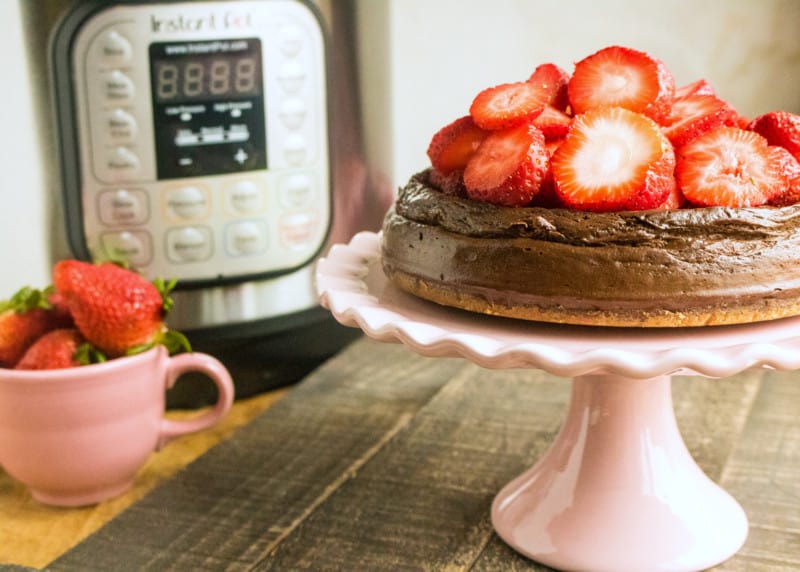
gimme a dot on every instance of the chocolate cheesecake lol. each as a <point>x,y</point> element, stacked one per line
<point>651,268</point>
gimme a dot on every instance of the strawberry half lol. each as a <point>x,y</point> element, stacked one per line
<point>674,200</point>
<point>696,114</point>
<point>555,80</point>
<point>509,167</point>
<point>699,87</point>
<point>57,349</point>
<point>509,104</point>
<point>553,123</point>
<point>450,184</point>
<point>790,170</point>
<point>779,128</point>
<point>118,311</point>
<point>730,167</point>
<point>622,77</point>
<point>613,160</point>
<point>452,146</point>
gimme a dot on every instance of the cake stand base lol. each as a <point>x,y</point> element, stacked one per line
<point>618,490</point>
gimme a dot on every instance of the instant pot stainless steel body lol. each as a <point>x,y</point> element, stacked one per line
<point>253,318</point>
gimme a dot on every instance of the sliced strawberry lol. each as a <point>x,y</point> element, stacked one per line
<point>790,169</point>
<point>694,115</point>
<point>450,184</point>
<point>554,79</point>
<point>699,87</point>
<point>452,146</point>
<point>509,104</point>
<point>779,128</point>
<point>509,166</point>
<point>674,200</point>
<point>553,123</point>
<point>622,77</point>
<point>730,167</point>
<point>614,159</point>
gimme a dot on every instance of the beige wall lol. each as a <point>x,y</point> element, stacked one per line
<point>440,53</point>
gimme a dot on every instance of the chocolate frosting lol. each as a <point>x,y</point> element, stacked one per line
<point>713,257</point>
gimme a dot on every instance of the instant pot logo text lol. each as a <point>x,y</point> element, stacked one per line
<point>230,20</point>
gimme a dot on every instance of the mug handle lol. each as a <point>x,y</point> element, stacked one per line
<point>210,366</point>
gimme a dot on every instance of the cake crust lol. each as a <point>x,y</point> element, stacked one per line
<point>690,267</point>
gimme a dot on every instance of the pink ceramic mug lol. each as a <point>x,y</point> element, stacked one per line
<point>78,436</point>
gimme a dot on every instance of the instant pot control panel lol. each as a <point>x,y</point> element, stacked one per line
<point>195,137</point>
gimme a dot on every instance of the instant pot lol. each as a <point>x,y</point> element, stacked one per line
<point>218,142</point>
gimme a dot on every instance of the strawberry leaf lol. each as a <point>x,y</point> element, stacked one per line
<point>86,354</point>
<point>164,288</point>
<point>176,342</point>
<point>26,299</point>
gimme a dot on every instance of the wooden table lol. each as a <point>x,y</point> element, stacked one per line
<point>384,460</point>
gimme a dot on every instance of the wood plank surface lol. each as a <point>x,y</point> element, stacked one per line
<point>244,497</point>
<point>384,460</point>
<point>33,534</point>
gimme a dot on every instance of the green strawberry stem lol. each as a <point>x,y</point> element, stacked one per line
<point>164,288</point>
<point>86,354</point>
<point>26,299</point>
<point>174,341</point>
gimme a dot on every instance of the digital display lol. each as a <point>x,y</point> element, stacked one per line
<point>208,107</point>
<point>206,70</point>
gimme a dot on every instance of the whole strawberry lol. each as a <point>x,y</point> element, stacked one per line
<point>118,311</point>
<point>23,319</point>
<point>57,349</point>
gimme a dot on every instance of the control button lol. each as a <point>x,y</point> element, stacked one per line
<point>124,207</point>
<point>115,49</point>
<point>121,127</point>
<point>246,237</point>
<point>297,230</point>
<point>293,112</point>
<point>244,157</point>
<point>118,88</point>
<point>187,161</point>
<point>290,39</point>
<point>134,247</point>
<point>122,160</point>
<point>189,244</point>
<point>189,203</point>
<point>245,197</point>
<point>292,76</point>
<point>296,191</point>
<point>295,149</point>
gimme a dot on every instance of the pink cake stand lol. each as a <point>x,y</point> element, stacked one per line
<point>617,490</point>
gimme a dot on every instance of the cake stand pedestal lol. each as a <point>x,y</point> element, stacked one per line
<point>617,490</point>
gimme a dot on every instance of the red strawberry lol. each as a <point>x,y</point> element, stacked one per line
<point>509,166</point>
<point>450,184</point>
<point>699,87</point>
<point>622,77</point>
<point>117,311</point>
<point>779,128</point>
<point>790,169</point>
<point>554,79</point>
<point>23,319</point>
<point>674,200</point>
<point>613,159</point>
<point>553,123</point>
<point>57,349</point>
<point>452,146</point>
<point>731,167</point>
<point>509,104</point>
<point>694,115</point>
